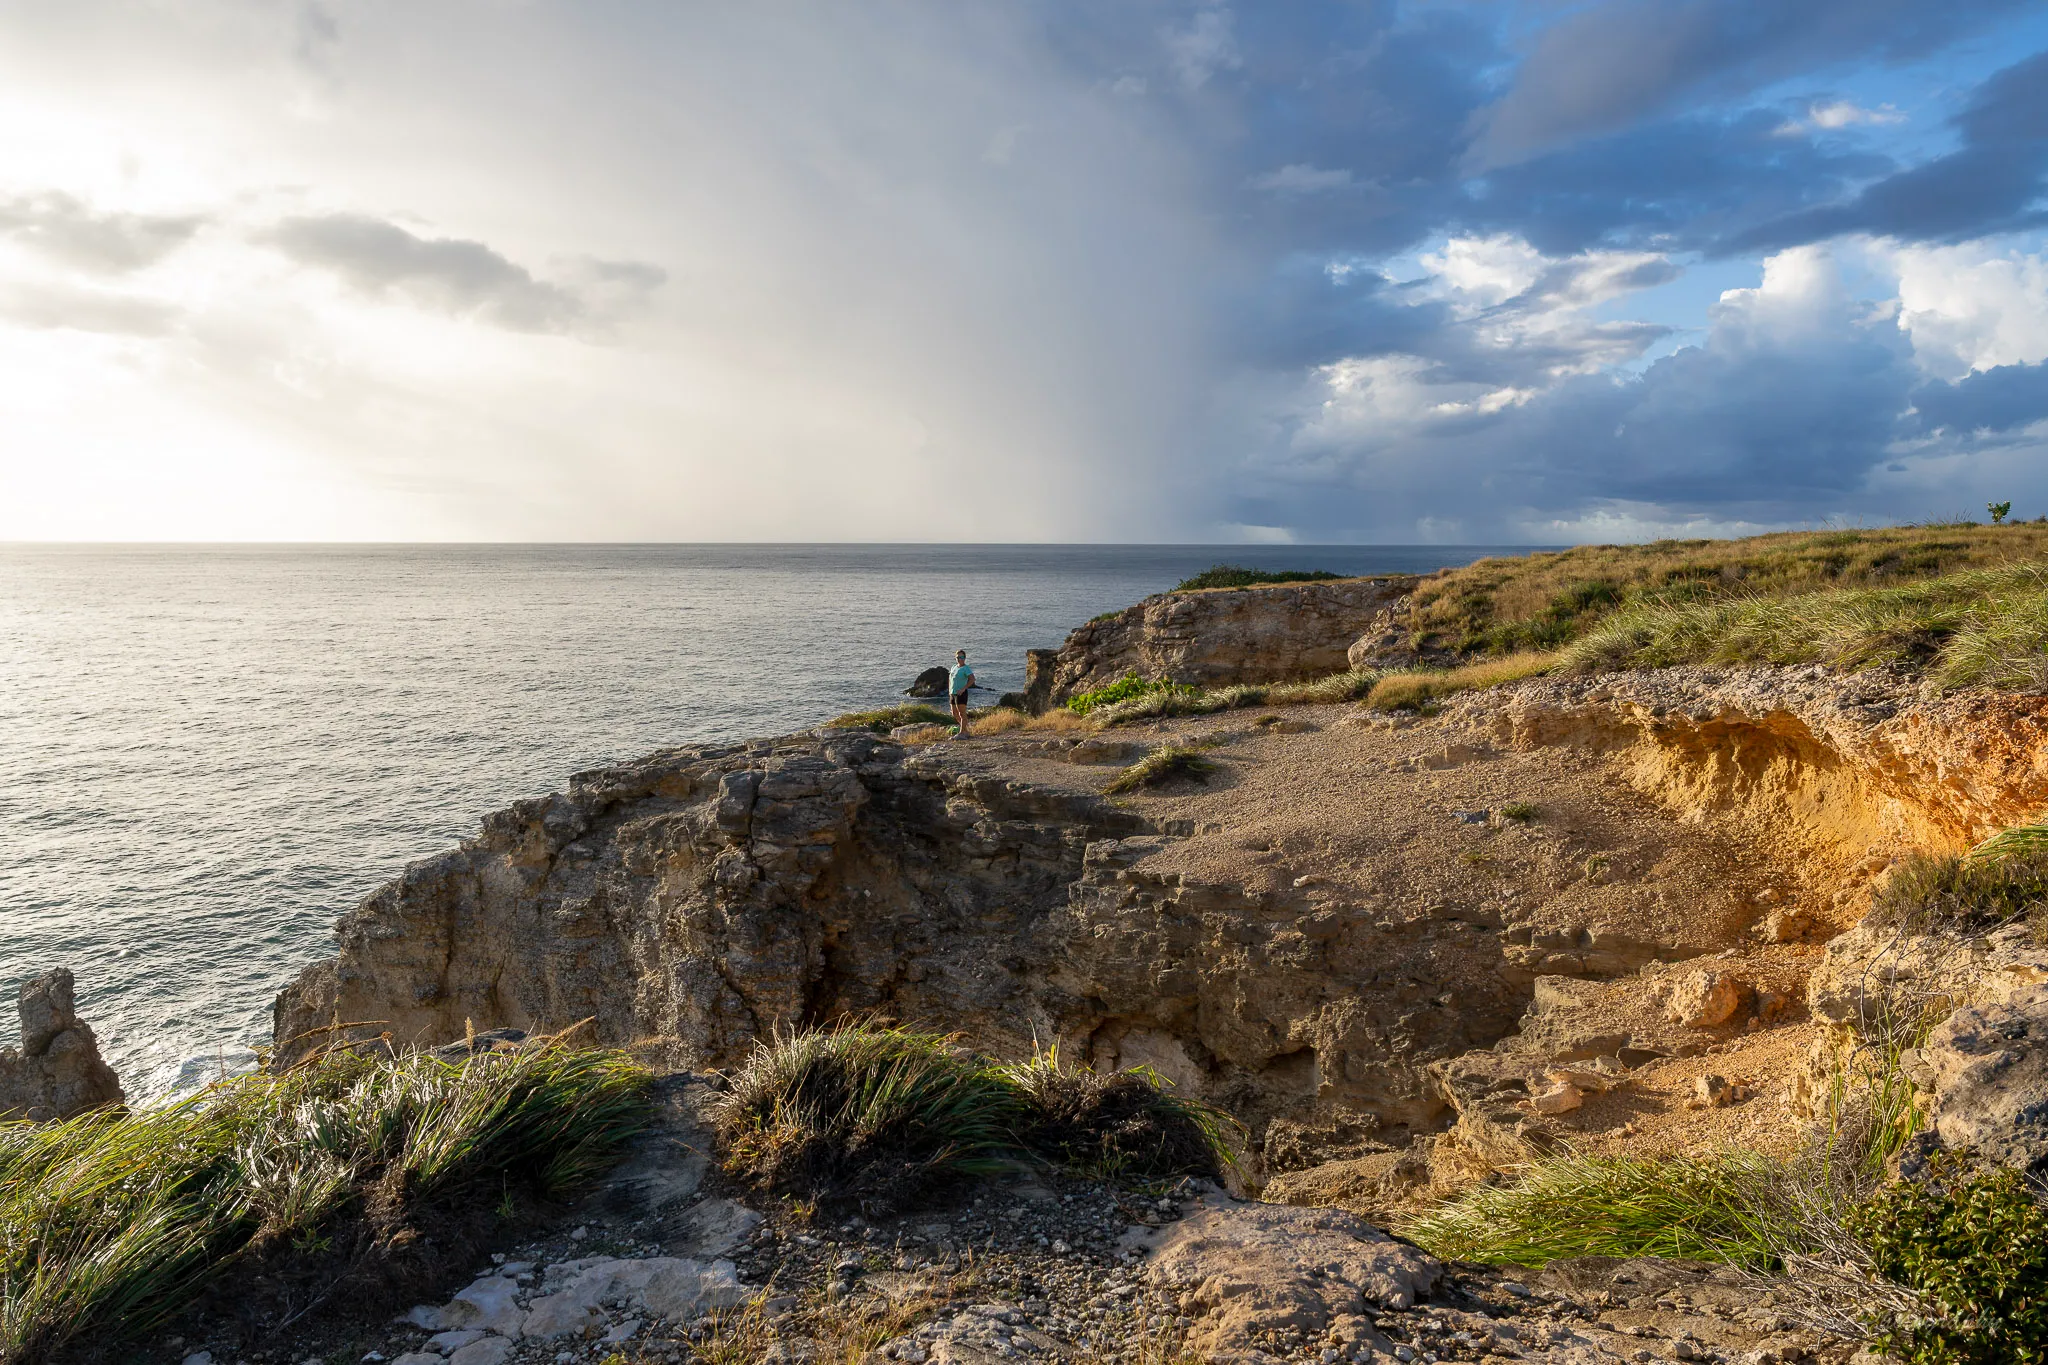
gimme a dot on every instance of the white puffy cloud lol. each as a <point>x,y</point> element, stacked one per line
<point>1970,307</point>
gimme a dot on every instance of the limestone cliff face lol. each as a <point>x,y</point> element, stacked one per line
<point>58,1071</point>
<point>1271,633</point>
<point>711,895</point>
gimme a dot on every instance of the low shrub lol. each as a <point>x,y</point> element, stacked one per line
<point>111,1221</point>
<point>864,1115</point>
<point>1930,894</point>
<point>1521,812</point>
<point>890,717</point>
<point>1973,1245</point>
<point>873,1116</point>
<point>1236,576</point>
<point>1168,763</point>
<point>1119,1124</point>
<point>1413,690</point>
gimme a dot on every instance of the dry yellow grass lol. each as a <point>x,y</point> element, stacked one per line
<point>1406,691</point>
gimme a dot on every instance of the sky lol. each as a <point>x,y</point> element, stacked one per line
<point>1407,271</point>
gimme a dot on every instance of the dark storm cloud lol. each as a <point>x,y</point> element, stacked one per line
<point>67,229</point>
<point>2003,398</point>
<point>449,274</point>
<point>1994,182</point>
<point>1610,65</point>
<point>1680,184</point>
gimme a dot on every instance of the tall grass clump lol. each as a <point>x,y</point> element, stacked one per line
<point>889,718</point>
<point>111,1221</point>
<point>1415,689</point>
<point>1927,894</point>
<point>1351,685</point>
<point>1706,1208</point>
<point>1159,703</point>
<point>868,1115</point>
<point>863,1114</point>
<point>1130,687</point>
<point>1117,1124</point>
<point>1168,763</point>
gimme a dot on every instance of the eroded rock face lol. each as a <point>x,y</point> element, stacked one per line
<point>57,1072</point>
<point>1270,633</point>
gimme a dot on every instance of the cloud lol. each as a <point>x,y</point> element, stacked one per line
<point>1992,183</point>
<point>2003,398</point>
<point>1789,405</point>
<point>1202,47</point>
<point>452,275</point>
<point>53,306</point>
<point>1836,114</point>
<point>1611,64</point>
<point>65,229</point>
<point>1301,178</point>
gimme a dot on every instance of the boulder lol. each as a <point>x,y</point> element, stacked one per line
<point>1269,633</point>
<point>1706,999</point>
<point>58,1071</point>
<point>930,683</point>
<point>1247,1270</point>
<point>1988,1068</point>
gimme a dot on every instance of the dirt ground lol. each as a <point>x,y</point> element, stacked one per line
<point>1615,892</point>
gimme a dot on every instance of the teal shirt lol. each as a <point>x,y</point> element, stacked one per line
<point>963,678</point>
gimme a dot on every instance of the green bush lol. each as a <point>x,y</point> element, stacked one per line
<point>1160,703</point>
<point>109,1222</point>
<point>1126,688</point>
<point>1236,576</point>
<point>1974,1247</point>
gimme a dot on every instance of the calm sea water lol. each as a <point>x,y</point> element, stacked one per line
<point>208,753</point>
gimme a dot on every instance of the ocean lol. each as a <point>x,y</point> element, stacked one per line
<point>208,753</point>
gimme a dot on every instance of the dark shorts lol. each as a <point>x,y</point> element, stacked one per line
<point>959,699</point>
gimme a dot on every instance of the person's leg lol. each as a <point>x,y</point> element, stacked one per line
<point>960,713</point>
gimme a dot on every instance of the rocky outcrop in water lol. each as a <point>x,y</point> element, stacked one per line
<point>1271,633</point>
<point>57,1072</point>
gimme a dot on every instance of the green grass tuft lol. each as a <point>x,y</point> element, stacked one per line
<point>111,1221</point>
<point>873,1116</point>
<point>1169,763</point>
<point>1236,576</point>
<point>1708,1209</point>
<point>863,1114</point>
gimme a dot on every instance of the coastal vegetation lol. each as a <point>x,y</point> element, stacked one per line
<point>112,1221</point>
<point>1548,600</point>
<point>874,1116</point>
<point>1237,576</point>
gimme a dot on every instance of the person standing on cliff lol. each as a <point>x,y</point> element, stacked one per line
<point>958,684</point>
